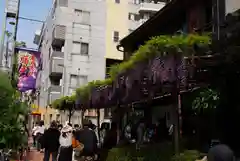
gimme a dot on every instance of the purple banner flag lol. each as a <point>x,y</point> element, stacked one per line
<point>28,66</point>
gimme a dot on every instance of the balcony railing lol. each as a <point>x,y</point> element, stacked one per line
<point>57,54</point>
<point>55,88</point>
<point>151,6</point>
<point>54,92</point>
<point>58,35</point>
<point>56,66</point>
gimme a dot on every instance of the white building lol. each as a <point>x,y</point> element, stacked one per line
<point>77,40</point>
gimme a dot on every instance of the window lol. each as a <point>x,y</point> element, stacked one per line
<point>130,16</point>
<point>78,12</point>
<point>76,80</point>
<point>83,15</point>
<point>63,3</point>
<point>115,36</point>
<point>73,80</point>
<point>80,48</point>
<point>49,52</point>
<point>84,48</point>
<point>117,1</point>
<point>133,16</point>
<point>135,1</point>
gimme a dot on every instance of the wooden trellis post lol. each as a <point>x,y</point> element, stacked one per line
<point>177,108</point>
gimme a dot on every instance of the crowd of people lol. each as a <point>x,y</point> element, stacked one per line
<point>75,143</point>
<point>68,143</point>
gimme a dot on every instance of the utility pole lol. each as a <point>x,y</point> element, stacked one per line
<point>14,65</point>
<point>3,33</point>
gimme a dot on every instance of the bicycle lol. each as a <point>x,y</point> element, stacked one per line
<point>4,156</point>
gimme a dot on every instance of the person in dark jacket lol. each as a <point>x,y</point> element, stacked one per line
<point>110,141</point>
<point>51,142</point>
<point>220,152</point>
<point>111,137</point>
<point>88,138</point>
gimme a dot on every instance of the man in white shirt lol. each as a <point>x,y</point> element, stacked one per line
<point>39,134</point>
<point>34,133</point>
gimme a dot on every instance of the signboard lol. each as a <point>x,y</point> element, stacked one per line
<point>28,67</point>
<point>12,8</point>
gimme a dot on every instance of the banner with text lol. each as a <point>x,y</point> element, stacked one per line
<point>28,67</point>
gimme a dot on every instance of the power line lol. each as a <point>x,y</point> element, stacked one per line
<point>30,19</point>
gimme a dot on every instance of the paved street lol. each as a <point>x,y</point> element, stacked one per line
<point>34,155</point>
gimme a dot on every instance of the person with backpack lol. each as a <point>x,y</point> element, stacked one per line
<point>88,138</point>
<point>51,142</point>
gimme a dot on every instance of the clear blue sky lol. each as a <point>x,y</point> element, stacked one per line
<point>34,9</point>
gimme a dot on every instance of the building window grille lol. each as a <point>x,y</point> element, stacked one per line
<point>115,36</point>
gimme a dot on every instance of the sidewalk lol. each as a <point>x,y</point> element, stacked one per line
<point>34,155</point>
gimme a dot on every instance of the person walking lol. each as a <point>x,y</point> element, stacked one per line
<point>34,134</point>
<point>88,138</point>
<point>65,141</point>
<point>51,142</point>
<point>40,131</point>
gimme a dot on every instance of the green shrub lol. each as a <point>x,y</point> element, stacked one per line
<point>153,152</point>
<point>12,113</point>
<point>188,155</point>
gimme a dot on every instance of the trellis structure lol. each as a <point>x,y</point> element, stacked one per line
<point>164,65</point>
<point>150,72</point>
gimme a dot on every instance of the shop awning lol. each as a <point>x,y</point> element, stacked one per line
<point>36,113</point>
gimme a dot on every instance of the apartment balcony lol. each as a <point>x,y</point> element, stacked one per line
<point>151,6</point>
<point>57,54</point>
<point>56,64</point>
<point>58,35</point>
<point>54,92</point>
<point>134,24</point>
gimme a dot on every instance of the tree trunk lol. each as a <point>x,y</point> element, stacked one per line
<point>70,116</point>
